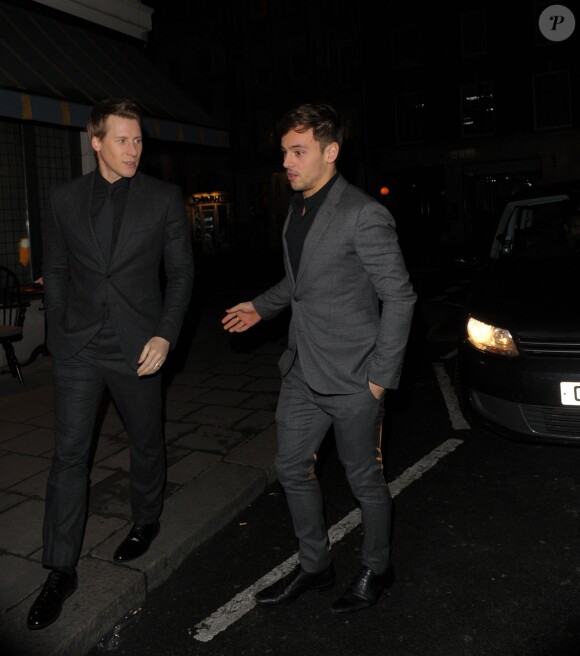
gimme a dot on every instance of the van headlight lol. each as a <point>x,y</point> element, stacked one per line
<point>491,339</point>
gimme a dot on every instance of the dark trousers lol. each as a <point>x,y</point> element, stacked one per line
<point>303,418</point>
<point>79,385</point>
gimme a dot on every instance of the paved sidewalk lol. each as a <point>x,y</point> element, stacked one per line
<point>220,439</point>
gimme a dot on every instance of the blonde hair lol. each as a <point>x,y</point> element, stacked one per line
<point>123,107</point>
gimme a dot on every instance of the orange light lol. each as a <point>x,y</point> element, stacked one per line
<point>24,251</point>
<point>385,191</point>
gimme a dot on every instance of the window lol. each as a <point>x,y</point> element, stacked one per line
<point>40,156</point>
<point>407,47</point>
<point>477,109</point>
<point>473,34</point>
<point>410,117</point>
<point>53,158</point>
<point>552,100</point>
<point>13,207</point>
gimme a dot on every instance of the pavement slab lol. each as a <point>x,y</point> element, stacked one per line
<point>221,441</point>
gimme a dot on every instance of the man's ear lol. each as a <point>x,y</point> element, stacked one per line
<point>96,144</point>
<point>332,152</point>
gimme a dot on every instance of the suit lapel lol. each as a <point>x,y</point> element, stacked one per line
<point>83,210</point>
<point>322,220</point>
<point>135,209</point>
<point>287,263</point>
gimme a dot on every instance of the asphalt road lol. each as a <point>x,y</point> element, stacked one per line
<point>485,549</point>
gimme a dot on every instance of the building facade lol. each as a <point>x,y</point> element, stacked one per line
<point>449,106</point>
<point>59,57</point>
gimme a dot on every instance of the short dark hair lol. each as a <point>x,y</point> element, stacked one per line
<point>322,118</point>
<point>123,107</point>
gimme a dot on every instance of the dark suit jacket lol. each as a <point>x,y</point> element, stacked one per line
<point>79,284</point>
<point>351,259</point>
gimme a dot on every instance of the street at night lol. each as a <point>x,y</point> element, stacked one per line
<point>485,537</point>
<point>228,227</point>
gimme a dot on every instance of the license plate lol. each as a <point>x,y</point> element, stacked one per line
<point>570,393</point>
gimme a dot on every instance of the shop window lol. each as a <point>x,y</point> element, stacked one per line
<point>477,109</point>
<point>13,207</point>
<point>34,158</point>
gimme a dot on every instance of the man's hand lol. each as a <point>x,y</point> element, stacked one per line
<point>240,317</point>
<point>153,355</point>
<point>376,390</point>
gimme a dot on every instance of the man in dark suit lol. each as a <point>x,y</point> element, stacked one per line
<point>109,324</point>
<point>342,259</point>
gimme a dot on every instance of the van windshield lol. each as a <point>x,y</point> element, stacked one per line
<point>545,230</point>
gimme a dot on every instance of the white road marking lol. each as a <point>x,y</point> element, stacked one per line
<point>449,355</point>
<point>237,607</point>
<point>457,419</point>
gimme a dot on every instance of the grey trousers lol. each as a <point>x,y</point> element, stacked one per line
<point>303,418</point>
<point>79,386</point>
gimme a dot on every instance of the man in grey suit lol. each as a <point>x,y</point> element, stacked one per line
<point>107,235</point>
<point>343,262</point>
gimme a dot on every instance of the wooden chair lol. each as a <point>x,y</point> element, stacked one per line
<point>12,312</point>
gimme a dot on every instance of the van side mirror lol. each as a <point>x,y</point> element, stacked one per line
<point>505,244</point>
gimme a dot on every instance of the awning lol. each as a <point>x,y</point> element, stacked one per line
<point>54,71</point>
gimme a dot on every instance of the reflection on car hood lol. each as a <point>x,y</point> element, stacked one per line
<point>533,298</point>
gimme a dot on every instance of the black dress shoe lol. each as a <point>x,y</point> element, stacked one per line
<point>364,590</point>
<point>45,610</point>
<point>137,542</point>
<point>294,584</point>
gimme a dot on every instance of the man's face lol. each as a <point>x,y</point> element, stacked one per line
<point>308,167</point>
<point>119,151</point>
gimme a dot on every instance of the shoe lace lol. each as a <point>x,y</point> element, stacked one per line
<point>360,581</point>
<point>54,580</point>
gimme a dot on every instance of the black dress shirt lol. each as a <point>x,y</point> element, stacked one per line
<point>119,191</point>
<point>304,211</point>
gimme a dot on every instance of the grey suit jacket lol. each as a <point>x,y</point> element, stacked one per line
<point>351,260</point>
<point>79,284</point>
